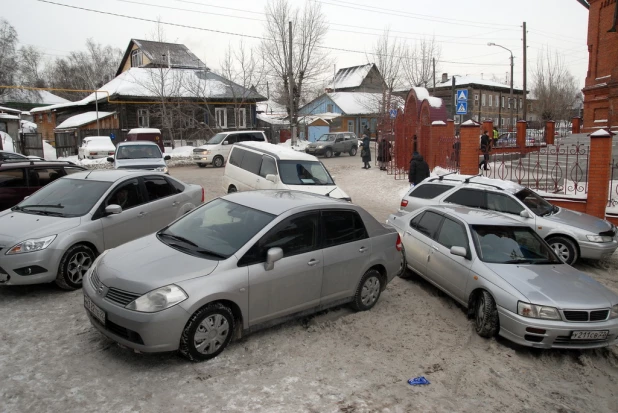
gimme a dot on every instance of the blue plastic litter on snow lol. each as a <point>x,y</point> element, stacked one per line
<point>418,381</point>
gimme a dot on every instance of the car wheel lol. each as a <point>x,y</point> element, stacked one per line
<point>404,272</point>
<point>368,291</point>
<point>328,153</point>
<point>337,153</point>
<point>565,249</point>
<point>207,333</point>
<point>486,315</point>
<point>218,161</point>
<point>201,165</point>
<point>73,266</point>
<point>232,189</point>
<point>353,152</point>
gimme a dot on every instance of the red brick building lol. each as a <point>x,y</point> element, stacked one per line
<point>601,91</point>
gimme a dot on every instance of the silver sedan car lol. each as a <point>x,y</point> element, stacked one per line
<point>56,234</point>
<point>508,278</point>
<point>239,263</point>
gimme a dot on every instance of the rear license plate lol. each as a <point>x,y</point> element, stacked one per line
<point>589,335</point>
<point>94,310</point>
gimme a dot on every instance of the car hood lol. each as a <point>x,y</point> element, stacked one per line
<point>579,220</point>
<point>560,286</point>
<point>146,264</point>
<point>320,190</point>
<point>18,226</point>
<point>126,163</point>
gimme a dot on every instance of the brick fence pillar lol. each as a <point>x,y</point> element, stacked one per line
<point>450,127</point>
<point>550,132</point>
<point>438,131</point>
<point>599,172</point>
<point>576,125</point>
<point>521,133</point>
<point>469,152</point>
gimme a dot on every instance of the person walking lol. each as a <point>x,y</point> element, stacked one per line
<point>366,151</point>
<point>496,136</point>
<point>419,169</point>
<point>485,148</point>
<point>384,153</point>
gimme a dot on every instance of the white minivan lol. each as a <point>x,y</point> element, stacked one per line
<point>217,149</point>
<point>256,165</point>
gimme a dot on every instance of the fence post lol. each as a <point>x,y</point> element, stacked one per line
<point>450,127</point>
<point>576,125</point>
<point>469,150</point>
<point>521,133</point>
<point>550,132</point>
<point>438,130</point>
<point>599,172</point>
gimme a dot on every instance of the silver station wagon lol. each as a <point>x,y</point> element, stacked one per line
<point>242,262</point>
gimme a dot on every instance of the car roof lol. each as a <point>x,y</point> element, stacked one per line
<point>110,175</point>
<point>274,201</point>
<point>278,151</point>
<point>475,216</point>
<point>96,137</point>
<point>33,162</point>
<point>477,182</point>
<point>137,131</point>
<point>138,143</point>
<point>242,131</point>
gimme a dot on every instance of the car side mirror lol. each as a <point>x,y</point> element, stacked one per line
<point>524,214</point>
<point>272,256</point>
<point>272,178</point>
<point>167,158</point>
<point>110,159</point>
<point>225,143</point>
<point>113,209</point>
<point>459,251</point>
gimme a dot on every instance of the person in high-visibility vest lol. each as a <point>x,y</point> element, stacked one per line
<point>495,137</point>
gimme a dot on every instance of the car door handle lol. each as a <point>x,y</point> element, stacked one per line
<point>435,248</point>
<point>142,214</point>
<point>313,262</point>
<point>362,250</point>
<point>175,203</point>
<point>408,232</point>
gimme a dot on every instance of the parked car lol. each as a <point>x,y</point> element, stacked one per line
<point>508,278</point>
<point>8,156</point>
<point>331,144</point>
<point>146,134</point>
<point>216,151</point>
<point>95,147</point>
<point>20,178</point>
<point>237,264</point>
<point>255,165</point>
<point>55,234</point>
<point>140,155</point>
<point>571,234</point>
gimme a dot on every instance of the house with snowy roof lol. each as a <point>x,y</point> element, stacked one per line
<point>363,78</point>
<point>25,100</point>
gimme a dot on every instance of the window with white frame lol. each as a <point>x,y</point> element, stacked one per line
<point>190,118</point>
<point>483,99</point>
<point>521,103</point>
<point>143,118</point>
<point>49,117</point>
<point>221,117</point>
<point>497,100</point>
<point>496,121</point>
<point>241,117</point>
<point>509,103</point>
<point>502,122</point>
<point>491,100</point>
<point>350,126</point>
<point>476,99</point>
<point>503,101</point>
<point>137,58</point>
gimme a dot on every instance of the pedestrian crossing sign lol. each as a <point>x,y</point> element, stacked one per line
<point>462,108</point>
<point>462,95</point>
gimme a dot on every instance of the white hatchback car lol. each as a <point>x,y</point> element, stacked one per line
<point>217,149</point>
<point>95,147</point>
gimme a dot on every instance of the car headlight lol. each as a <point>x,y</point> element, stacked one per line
<point>599,238</point>
<point>162,169</point>
<point>537,311</point>
<point>159,299</point>
<point>614,312</point>
<point>31,245</point>
<point>320,146</point>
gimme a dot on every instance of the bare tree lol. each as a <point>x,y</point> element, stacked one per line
<point>8,55</point>
<point>554,88</point>
<point>418,65</point>
<point>30,67</point>
<point>309,29</point>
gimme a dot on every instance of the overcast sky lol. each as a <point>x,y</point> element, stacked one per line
<point>463,28</point>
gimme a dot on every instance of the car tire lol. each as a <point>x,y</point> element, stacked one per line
<point>565,249</point>
<point>404,271</point>
<point>201,165</point>
<point>353,151</point>
<point>232,189</point>
<point>218,161</point>
<point>486,321</point>
<point>328,153</point>
<point>337,153</point>
<point>73,266</point>
<point>215,322</point>
<point>368,291</point>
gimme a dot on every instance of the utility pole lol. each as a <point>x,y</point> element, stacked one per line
<point>525,108</point>
<point>433,61</point>
<point>453,98</point>
<point>291,82</point>
<point>511,98</point>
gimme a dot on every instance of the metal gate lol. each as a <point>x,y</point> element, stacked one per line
<point>32,144</point>
<point>66,144</point>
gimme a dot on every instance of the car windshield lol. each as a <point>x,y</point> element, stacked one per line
<point>216,230</point>
<point>64,198</point>
<point>218,138</point>
<point>535,202</point>
<point>326,138</point>
<point>511,245</point>
<point>304,173</point>
<point>138,152</point>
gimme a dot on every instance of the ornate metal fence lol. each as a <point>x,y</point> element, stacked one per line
<point>612,202</point>
<point>558,169</point>
<point>446,153</point>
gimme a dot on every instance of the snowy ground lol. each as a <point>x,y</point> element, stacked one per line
<point>181,156</point>
<point>52,360</point>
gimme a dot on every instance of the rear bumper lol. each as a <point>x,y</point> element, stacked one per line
<point>597,250</point>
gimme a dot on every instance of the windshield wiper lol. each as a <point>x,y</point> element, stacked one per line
<point>519,261</point>
<point>199,250</point>
<point>178,238</point>
<point>42,206</point>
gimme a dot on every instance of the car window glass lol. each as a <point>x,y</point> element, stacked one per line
<point>414,222</point>
<point>503,203</point>
<point>127,195</point>
<point>242,137</point>
<point>468,197</point>
<point>429,191</point>
<point>157,187</point>
<point>13,156</point>
<point>258,137</point>
<point>269,166</point>
<point>511,244</point>
<point>12,178</point>
<point>236,156</point>
<point>70,171</point>
<point>341,227</point>
<point>43,176</point>
<point>251,162</point>
<point>339,140</point>
<point>452,234</point>
<point>231,139</point>
<point>177,185</point>
<point>429,224</point>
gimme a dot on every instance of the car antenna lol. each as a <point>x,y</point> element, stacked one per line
<point>89,174</point>
<point>328,194</point>
<point>467,180</point>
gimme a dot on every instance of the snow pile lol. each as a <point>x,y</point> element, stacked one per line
<point>28,127</point>
<point>300,146</point>
<point>49,152</point>
<point>83,119</point>
<point>7,142</point>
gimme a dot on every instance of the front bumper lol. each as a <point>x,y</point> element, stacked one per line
<point>557,333</point>
<point>146,332</point>
<point>43,267</point>
<point>203,159</point>
<point>315,151</point>
<point>597,250</point>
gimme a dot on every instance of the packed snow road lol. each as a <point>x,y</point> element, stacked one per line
<point>52,360</point>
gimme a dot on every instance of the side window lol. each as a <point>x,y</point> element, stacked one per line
<point>294,235</point>
<point>473,198</point>
<point>231,139</point>
<point>236,156</point>
<point>503,203</point>
<point>13,178</point>
<point>127,195</point>
<point>157,187</point>
<point>429,224</point>
<point>414,221</point>
<point>258,137</point>
<point>251,162</point>
<point>70,170</point>
<point>269,167</point>
<point>339,139</point>
<point>242,137</point>
<point>341,227</point>
<point>452,234</point>
<point>429,191</point>
<point>177,185</point>
<point>41,177</point>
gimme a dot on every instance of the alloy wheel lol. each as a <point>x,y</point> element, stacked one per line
<point>78,266</point>
<point>211,334</point>
<point>562,251</point>
<point>218,162</point>
<point>370,291</point>
<point>480,311</point>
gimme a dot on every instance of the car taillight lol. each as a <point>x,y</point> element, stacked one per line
<point>404,202</point>
<point>93,153</point>
<point>110,153</point>
<point>202,195</point>
<point>398,244</point>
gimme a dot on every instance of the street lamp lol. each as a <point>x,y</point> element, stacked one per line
<point>511,97</point>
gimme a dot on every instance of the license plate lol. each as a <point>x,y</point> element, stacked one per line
<point>589,335</point>
<point>94,310</point>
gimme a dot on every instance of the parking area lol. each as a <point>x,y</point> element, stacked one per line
<point>51,359</point>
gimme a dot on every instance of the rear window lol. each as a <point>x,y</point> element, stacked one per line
<point>429,191</point>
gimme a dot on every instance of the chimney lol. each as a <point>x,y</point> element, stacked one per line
<point>444,77</point>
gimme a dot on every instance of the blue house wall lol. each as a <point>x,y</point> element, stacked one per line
<point>320,105</point>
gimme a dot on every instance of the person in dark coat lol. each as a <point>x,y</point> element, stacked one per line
<point>366,151</point>
<point>419,169</point>
<point>384,153</point>
<point>485,148</point>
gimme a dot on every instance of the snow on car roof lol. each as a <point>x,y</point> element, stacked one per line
<point>144,130</point>
<point>281,151</point>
